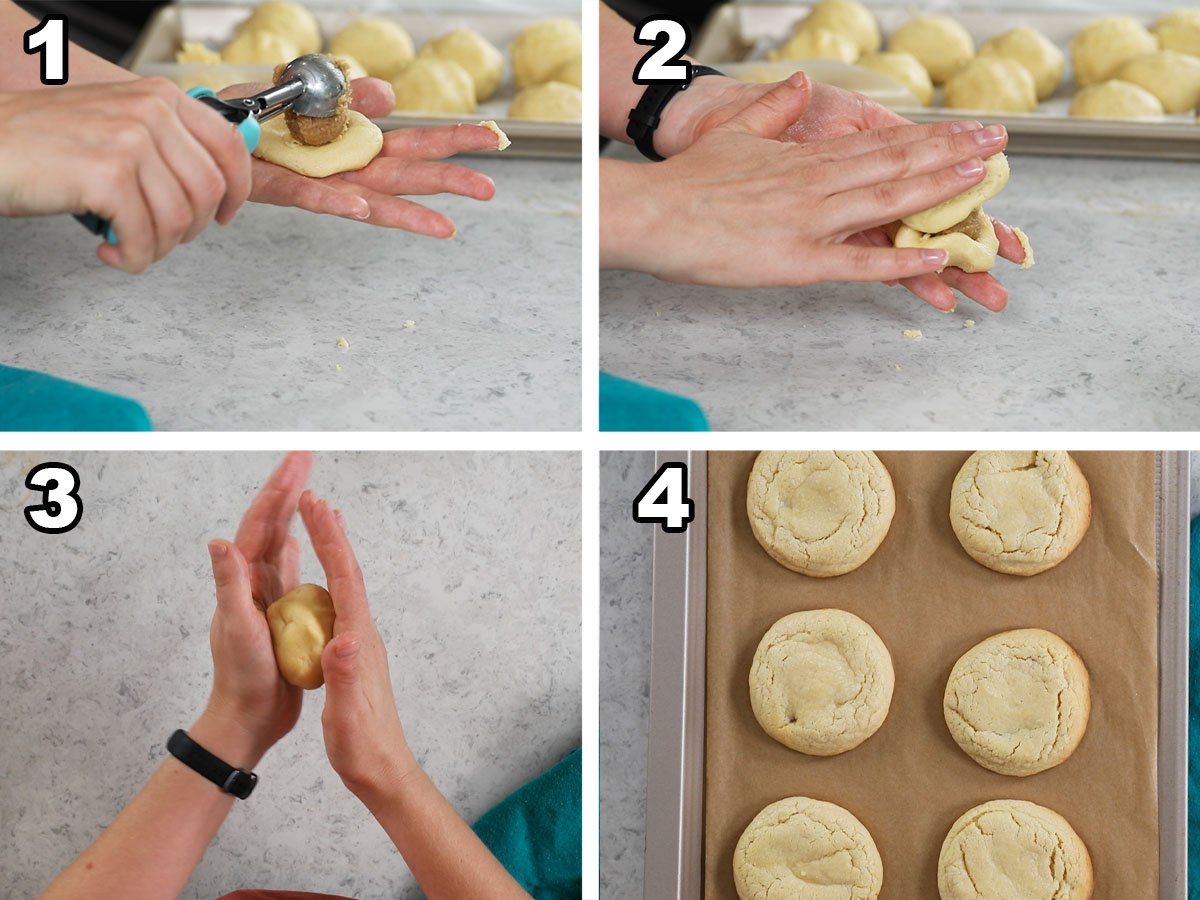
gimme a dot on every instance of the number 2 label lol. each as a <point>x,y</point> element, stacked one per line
<point>664,64</point>
<point>49,38</point>
<point>664,500</point>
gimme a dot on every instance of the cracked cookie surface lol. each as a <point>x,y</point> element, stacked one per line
<point>804,849</point>
<point>1009,849</point>
<point>1020,512</point>
<point>1018,702</point>
<point>820,513</point>
<point>821,682</point>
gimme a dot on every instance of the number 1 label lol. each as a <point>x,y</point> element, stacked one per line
<point>49,38</point>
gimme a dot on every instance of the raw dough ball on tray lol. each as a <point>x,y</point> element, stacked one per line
<point>1174,78</point>
<point>1034,51</point>
<point>939,43</point>
<point>1179,30</point>
<point>471,50</point>
<point>259,48</point>
<point>846,17</point>
<point>904,68</point>
<point>380,45</point>
<point>1104,44</point>
<point>290,21</point>
<point>435,86</point>
<point>817,43</point>
<point>542,47</point>
<point>1114,99</point>
<point>552,101</point>
<point>991,84</point>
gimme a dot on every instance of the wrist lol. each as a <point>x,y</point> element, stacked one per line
<point>228,738</point>
<point>387,784</point>
<point>687,116</point>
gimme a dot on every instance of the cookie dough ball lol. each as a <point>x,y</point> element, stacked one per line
<point>1172,77</point>
<point>1018,703</point>
<point>846,17</point>
<point>354,150</point>
<point>1034,51</point>
<point>804,849</point>
<point>471,50</point>
<point>351,66</point>
<point>1020,512</point>
<point>570,72</point>
<point>817,43</point>
<point>194,52</point>
<point>1114,99</point>
<point>1180,31</point>
<point>821,681</point>
<point>380,45</point>
<point>435,86</point>
<point>318,130</point>
<point>939,43</point>
<point>259,48</point>
<point>904,68</point>
<point>542,47</point>
<point>992,84</point>
<point>291,21</point>
<point>301,623</point>
<point>552,101</point>
<point>820,513</point>
<point>971,245</point>
<point>950,212</point>
<point>1005,849</point>
<point>1103,45</point>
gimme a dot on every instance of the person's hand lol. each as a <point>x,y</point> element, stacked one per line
<point>363,736</point>
<point>261,565</point>
<point>406,165</point>
<point>832,112</point>
<point>783,213</point>
<point>142,154</point>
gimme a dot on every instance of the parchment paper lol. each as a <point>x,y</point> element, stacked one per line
<point>930,603</point>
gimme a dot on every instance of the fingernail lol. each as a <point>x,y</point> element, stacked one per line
<point>217,549</point>
<point>933,257</point>
<point>346,649</point>
<point>991,136</point>
<point>362,210</point>
<point>969,168</point>
<point>960,127</point>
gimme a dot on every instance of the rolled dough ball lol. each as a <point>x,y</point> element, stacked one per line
<point>846,17</point>
<point>471,50</point>
<point>991,84</point>
<point>382,46</point>
<point>194,52</point>
<point>351,66</point>
<point>939,43</point>
<point>290,21</point>
<point>950,212</point>
<point>553,101</point>
<point>570,72</point>
<point>542,47</point>
<point>804,849</point>
<point>1103,45</point>
<point>259,48</point>
<point>1034,51</point>
<point>971,245</point>
<point>1179,30</point>
<point>301,623</point>
<point>434,86</point>
<point>1172,77</point>
<point>354,150</point>
<point>817,43</point>
<point>904,68</point>
<point>1114,99</point>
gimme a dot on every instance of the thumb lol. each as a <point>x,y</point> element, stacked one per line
<point>775,111</point>
<point>340,665</point>
<point>231,576</point>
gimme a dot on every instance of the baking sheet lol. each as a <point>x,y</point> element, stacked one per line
<point>930,603</point>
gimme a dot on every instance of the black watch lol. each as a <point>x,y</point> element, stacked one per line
<point>231,780</point>
<point>644,118</point>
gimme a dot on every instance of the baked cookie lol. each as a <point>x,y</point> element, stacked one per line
<point>800,848</point>
<point>821,681</point>
<point>820,513</point>
<point>1018,703</point>
<point>1020,512</point>
<point>1008,849</point>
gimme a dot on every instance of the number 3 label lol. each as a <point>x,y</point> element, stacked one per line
<point>664,500</point>
<point>664,64</point>
<point>61,508</point>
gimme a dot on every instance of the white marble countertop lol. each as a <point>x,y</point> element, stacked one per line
<point>1099,334</point>
<point>238,330</point>
<point>472,565</point>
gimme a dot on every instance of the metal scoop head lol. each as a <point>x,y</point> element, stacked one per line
<point>323,83</point>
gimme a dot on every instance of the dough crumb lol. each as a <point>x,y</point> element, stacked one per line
<point>342,344</point>
<point>338,366</point>
<point>504,142</point>
<point>913,334</point>
<point>1024,239</point>
<point>410,325</point>
<point>898,368</point>
<point>970,323</point>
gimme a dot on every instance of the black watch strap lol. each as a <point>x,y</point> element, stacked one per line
<point>644,118</point>
<point>232,781</point>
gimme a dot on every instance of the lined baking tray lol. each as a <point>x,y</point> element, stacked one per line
<point>739,32</point>
<point>675,802</point>
<point>213,25</point>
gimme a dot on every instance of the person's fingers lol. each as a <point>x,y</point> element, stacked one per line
<point>289,566</point>
<point>263,532</point>
<point>373,97</point>
<point>417,177</point>
<point>856,262</point>
<point>878,138</point>
<point>771,114</point>
<point>226,150</point>
<point>396,212</point>
<point>438,142</point>
<point>1010,245</point>
<point>901,161</point>
<point>979,286</point>
<point>340,665</point>
<point>120,200</point>
<point>886,201</point>
<point>281,187</point>
<point>231,575</point>
<point>342,573</point>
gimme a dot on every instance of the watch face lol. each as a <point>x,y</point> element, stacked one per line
<point>240,784</point>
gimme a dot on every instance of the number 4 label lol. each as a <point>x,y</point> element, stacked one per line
<point>664,500</point>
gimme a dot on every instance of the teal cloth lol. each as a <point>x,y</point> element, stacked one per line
<point>1194,720</point>
<point>31,401</point>
<point>629,406</point>
<point>537,832</point>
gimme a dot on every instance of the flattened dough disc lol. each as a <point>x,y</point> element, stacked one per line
<point>352,151</point>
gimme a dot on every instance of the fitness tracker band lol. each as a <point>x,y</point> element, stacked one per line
<point>644,118</point>
<point>234,781</point>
